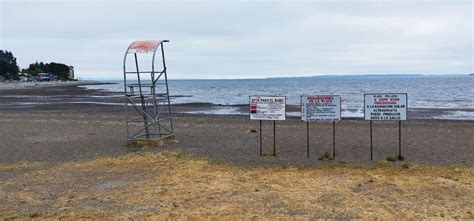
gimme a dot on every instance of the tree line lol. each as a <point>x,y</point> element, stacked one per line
<point>9,69</point>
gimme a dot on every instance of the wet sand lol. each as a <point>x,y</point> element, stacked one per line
<point>69,98</point>
<point>44,84</point>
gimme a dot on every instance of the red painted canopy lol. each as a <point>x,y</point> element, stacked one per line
<point>143,46</point>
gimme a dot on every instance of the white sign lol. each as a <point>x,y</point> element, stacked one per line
<point>267,108</point>
<point>321,108</point>
<point>385,106</point>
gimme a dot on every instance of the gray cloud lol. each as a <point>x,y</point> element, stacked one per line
<point>244,39</point>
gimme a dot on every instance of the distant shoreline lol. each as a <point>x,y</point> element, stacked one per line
<point>303,77</point>
<point>40,84</point>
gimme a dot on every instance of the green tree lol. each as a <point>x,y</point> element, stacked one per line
<point>8,67</point>
<point>35,68</point>
<point>58,69</point>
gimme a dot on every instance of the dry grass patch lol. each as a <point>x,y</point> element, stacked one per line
<point>19,165</point>
<point>170,185</point>
<point>149,144</point>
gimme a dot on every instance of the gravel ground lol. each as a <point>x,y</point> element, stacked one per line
<point>53,130</point>
<point>69,137</point>
<point>227,139</point>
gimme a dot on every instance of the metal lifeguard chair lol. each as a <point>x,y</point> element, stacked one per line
<point>147,105</point>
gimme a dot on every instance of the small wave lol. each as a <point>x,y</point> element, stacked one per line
<point>217,111</point>
<point>348,113</point>
<point>92,102</point>
<point>456,115</point>
<point>32,103</point>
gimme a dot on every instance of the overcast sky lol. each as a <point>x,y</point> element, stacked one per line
<point>246,39</point>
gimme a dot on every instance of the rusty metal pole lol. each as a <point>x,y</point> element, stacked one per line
<point>261,153</point>
<point>142,98</point>
<point>307,139</point>
<point>399,139</point>
<point>334,139</point>
<point>274,138</point>
<point>371,146</point>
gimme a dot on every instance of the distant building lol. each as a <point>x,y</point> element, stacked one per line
<point>46,77</point>
<point>71,72</point>
<point>23,79</point>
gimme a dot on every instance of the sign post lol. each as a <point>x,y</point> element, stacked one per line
<point>371,145</point>
<point>272,108</point>
<point>334,139</point>
<point>274,138</point>
<point>321,108</point>
<point>386,107</point>
<point>261,152</point>
<point>399,139</point>
<point>307,139</point>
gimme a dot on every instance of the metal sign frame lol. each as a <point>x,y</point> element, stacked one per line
<point>399,126</point>
<point>260,124</point>
<point>333,124</point>
<point>322,120</point>
<point>406,105</point>
<point>147,105</point>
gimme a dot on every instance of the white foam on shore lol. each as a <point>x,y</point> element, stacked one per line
<point>23,85</point>
<point>92,102</point>
<point>456,115</point>
<point>344,113</point>
<point>452,115</point>
<point>293,114</point>
<point>105,96</point>
<point>348,113</point>
<point>33,103</point>
<point>217,111</point>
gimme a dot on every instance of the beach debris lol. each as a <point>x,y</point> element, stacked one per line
<point>390,158</point>
<point>394,158</point>
<point>342,162</point>
<point>252,130</point>
<point>325,156</point>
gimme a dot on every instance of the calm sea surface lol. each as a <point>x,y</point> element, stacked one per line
<point>452,92</point>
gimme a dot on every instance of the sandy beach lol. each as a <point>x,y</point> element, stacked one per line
<point>236,110</point>
<point>67,140</point>
<point>43,84</point>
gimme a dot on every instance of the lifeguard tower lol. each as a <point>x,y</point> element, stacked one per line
<point>147,105</point>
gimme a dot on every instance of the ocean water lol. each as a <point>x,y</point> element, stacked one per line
<point>439,92</point>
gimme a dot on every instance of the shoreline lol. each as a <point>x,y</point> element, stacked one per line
<point>60,97</point>
<point>43,84</point>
